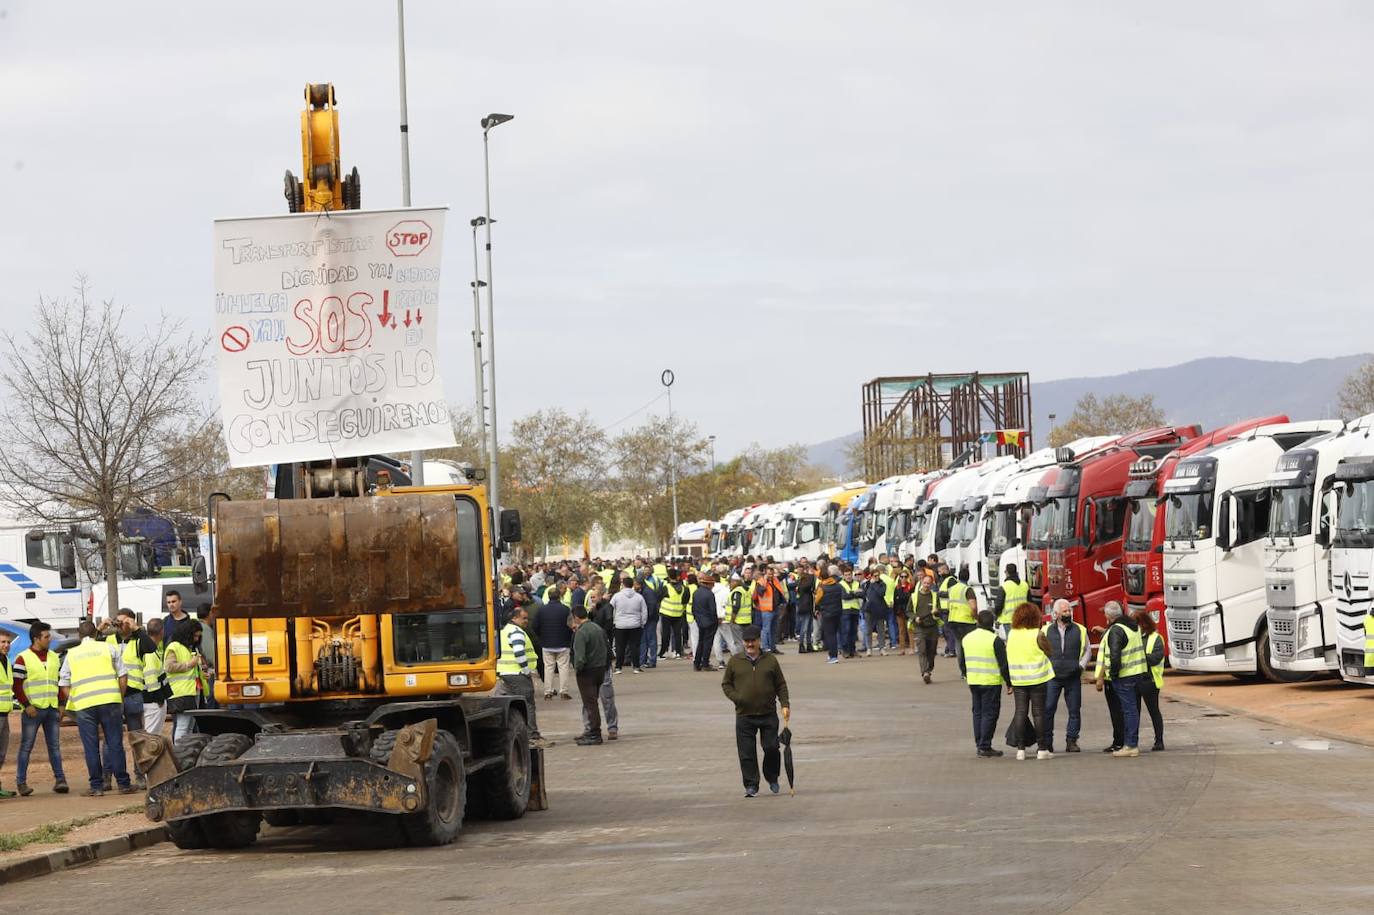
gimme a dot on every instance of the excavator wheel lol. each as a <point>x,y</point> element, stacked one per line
<point>236,829</point>
<point>187,749</point>
<point>502,792</point>
<point>445,794</point>
<point>294,193</point>
<point>352,191</point>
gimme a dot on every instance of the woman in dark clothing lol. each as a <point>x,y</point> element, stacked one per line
<point>806,605</point>
<point>901,606</point>
<point>1150,684</point>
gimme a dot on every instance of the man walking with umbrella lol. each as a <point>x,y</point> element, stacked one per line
<point>754,682</point>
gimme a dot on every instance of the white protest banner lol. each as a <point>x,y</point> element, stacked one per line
<point>327,334</point>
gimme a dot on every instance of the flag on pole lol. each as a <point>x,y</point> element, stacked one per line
<point>1011,437</point>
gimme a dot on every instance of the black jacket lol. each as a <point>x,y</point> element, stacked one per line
<point>1116,643</point>
<point>806,592</point>
<point>550,624</point>
<point>831,599</point>
<point>704,606</point>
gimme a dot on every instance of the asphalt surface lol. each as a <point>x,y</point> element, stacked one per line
<point>892,814</point>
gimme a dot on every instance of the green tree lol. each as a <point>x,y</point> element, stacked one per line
<point>1115,414</point>
<point>644,458</point>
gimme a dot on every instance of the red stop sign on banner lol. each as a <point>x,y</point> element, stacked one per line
<point>409,237</point>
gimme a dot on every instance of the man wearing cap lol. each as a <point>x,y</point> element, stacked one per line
<point>754,682</point>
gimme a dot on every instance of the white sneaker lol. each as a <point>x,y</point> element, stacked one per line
<point>1044,754</point>
<point>1020,754</point>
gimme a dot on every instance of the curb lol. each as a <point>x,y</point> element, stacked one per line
<point>77,855</point>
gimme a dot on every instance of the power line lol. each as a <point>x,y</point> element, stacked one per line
<point>635,413</point>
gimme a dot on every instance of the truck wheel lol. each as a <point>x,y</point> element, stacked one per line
<point>502,792</point>
<point>445,793</point>
<point>281,818</point>
<point>187,749</point>
<point>1267,669</point>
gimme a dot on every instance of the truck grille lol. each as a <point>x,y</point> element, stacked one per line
<point>1282,647</point>
<point>1181,647</point>
<point>1352,662</point>
<point>1181,626</point>
<point>1279,626</point>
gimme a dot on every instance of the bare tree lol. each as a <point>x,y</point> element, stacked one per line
<point>1357,391</point>
<point>558,469</point>
<point>90,412</point>
<point>644,458</point>
<point>203,450</point>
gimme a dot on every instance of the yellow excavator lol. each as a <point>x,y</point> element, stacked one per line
<point>322,185</point>
<point>355,629</point>
<point>355,624</point>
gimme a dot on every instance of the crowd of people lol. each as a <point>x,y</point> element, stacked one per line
<point>118,676</point>
<point>645,611</point>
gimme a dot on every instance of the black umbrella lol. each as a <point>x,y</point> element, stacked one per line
<point>785,738</point>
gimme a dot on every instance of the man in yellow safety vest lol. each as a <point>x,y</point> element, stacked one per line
<point>1125,664</point>
<point>92,681</point>
<point>6,699</point>
<point>983,663</point>
<point>35,691</point>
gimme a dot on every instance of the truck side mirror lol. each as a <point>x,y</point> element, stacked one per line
<point>1089,524</point>
<point>510,525</point>
<point>67,574</point>
<point>200,576</point>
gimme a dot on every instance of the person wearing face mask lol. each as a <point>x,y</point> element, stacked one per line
<point>1069,653</point>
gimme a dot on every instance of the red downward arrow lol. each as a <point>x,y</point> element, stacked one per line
<point>406,322</point>
<point>418,317</point>
<point>385,316</point>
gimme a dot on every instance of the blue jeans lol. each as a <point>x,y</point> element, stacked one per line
<point>648,643</point>
<point>49,721</point>
<point>766,624</point>
<point>103,720</point>
<point>1125,689</point>
<point>133,710</point>
<point>892,639</point>
<point>1072,688</point>
<point>849,630</point>
<point>805,628</point>
<point>863,632</point>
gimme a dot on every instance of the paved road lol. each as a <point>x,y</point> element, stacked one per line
<point>892,814</point>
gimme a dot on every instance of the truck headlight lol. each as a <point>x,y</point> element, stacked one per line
<point>457,679</point>
<point>252,691</point>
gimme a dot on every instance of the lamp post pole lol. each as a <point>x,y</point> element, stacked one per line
<point>417,458</point>
<point>667,379</point>
<point>478,386</point>
<point>493,468</point>
<point>712,440</point>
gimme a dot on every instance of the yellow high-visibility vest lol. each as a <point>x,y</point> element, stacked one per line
<point>1014,594</point>
<point>1029,666</point>
<point>94,678</point>
<point>40,678</point>
<point>980,658</point>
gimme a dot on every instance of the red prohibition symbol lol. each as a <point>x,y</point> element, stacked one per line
<point>235,339</point>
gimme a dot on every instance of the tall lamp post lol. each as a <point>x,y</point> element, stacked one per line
<point>667,379</point>
<point>478,386</point>
<point>493,470</point>
<point>711,439</point>
<point>417,458</point>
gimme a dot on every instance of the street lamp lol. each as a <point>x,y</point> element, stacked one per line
<point>711,440</point>
<point>479,389</point>
<point>667,379</point>
<point>493,471</point>
<point>417,458</point>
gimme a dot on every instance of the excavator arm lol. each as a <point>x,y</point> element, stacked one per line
<point>322,185</point>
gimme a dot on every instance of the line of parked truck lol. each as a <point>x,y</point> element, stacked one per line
<point>1254,542</point>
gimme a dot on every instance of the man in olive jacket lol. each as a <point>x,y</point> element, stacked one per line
<point>590,657</point>
<point>754,682</point>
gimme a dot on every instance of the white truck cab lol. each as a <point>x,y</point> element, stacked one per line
<point>1301,611</point>
<point>1352,561</point>
<point>1217,513</point>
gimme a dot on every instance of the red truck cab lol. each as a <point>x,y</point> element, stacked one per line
<point>1083,545</point>
<point>1142,555</point>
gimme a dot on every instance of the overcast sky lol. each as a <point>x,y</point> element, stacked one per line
<point>779,201</point>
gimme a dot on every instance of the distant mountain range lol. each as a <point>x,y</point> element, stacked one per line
<point>1212,392</point>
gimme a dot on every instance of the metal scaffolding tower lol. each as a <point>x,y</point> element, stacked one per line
<point>920,422</point>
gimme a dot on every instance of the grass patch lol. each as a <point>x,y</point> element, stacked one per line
<point>52,833</point>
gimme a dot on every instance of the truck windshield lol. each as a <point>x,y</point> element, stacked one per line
<point>1140,534</point>
<point>451,635</point>
<point>968,527</point>
<point>1189,516</point>
<point>1002,524</point>
<point>919,524</point>
<point>1063,529</point>
<point>1041,522</point>
<point>1290,511</point>
<point>789,532</point>
<point>1355,520</point>
<point>896,526</point>
<point>944,526</point>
